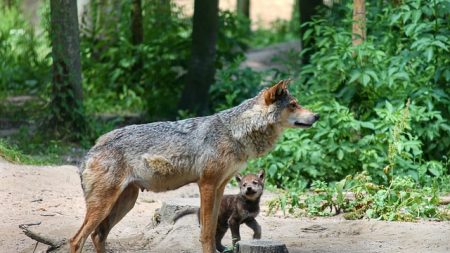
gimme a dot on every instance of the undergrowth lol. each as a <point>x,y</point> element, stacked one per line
<point>358,197</point>
<point>50,154</point>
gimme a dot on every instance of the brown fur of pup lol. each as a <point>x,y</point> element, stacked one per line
<point>237,209</point>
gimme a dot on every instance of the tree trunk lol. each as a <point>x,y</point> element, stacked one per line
<point>137,37</point>
<point>243,7</point>
<point>137,29</point>
<point>201,69</point>
<point>8,4</point>
<point>359,22</point>
<point>67,94</point>
<point>307,10</point>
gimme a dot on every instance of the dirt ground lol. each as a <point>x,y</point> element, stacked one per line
<point>52,196</point>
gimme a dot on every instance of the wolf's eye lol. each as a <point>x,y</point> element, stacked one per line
<point>244,185</point>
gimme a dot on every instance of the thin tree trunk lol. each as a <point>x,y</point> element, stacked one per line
<point>201,70</point>
<point>243,7</point>
<point>67,94</point>
<point>137,29</point>
<point>137,37</point>
<point>108,18</point>
<point>307,10</point>
<point>8,4</point>
<point>359,22</point>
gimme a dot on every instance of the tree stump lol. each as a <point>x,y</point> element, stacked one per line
<point>261,246</point>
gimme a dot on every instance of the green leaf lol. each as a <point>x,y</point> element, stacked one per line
<point>354,76</point>
<point>307,34</point>
<point>365,79</point>
<point>272,170</point>
<point>369,125</point>
<point>340,154</point>
<point>429,54</point>
<point>440,44</point>
<point>435,171</point>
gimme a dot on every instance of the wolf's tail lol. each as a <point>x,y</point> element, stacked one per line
<point>186,211</point>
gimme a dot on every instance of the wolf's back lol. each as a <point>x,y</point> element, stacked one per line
<point>126,147</point>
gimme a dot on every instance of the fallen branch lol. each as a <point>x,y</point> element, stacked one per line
<point>30,224</point>
<point>54,244</point>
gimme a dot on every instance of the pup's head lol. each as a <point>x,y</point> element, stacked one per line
<point>286,108</point>
<point>251,185</point>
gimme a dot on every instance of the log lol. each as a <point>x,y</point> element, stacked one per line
<point>260,246</point>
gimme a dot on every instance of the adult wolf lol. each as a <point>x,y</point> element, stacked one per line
<point>163,156</point>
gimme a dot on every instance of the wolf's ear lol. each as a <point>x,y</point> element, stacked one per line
<point>261,175</point>
<point>275,92</point>
<point>238,178</point>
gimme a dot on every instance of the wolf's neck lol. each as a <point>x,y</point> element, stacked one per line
<point>253,127</point>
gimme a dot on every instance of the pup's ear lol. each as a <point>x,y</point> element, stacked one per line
<point>238,178</point>
<point>275,92</point>
<point>261,175</point>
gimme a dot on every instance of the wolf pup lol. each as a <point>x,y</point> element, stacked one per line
<point>237,209</point>
<point>163,156</point>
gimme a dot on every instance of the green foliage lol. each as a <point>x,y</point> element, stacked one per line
<point>358,197</point>
<point>12,154</point>
<point>42,153</point>
<point>145,76</point>
<point>149,77</point>
<point>24,56</point>
<point>234,36</point>
<point>279,31</point>
<point>360,93</point>
<point>384,109</point>
<point>235,84</point>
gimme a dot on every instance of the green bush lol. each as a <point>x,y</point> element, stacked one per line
<point>24,55</point>
<point>362,94</point>
<point>235,84</point>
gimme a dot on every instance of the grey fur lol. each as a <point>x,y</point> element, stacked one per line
<point>248,130</point>
<point>164,156</point>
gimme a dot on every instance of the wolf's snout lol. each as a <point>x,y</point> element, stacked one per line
<point>316,116</point>
<point>249,189</point>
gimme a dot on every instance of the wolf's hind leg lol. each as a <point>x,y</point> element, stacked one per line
<point>98,206</point>
<point>220,233</point>
<point>122,206</point>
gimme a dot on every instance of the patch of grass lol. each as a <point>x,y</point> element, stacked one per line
<point>23,148</point>
<point>13,154</point>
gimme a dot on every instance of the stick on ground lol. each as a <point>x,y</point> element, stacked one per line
<point>53,243</point>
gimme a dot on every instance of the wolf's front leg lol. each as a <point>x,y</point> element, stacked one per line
<point>208,216</point>
<point>234,227</point>
<point>253,224</point>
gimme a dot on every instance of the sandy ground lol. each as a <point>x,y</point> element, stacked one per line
<point>52,196</point>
